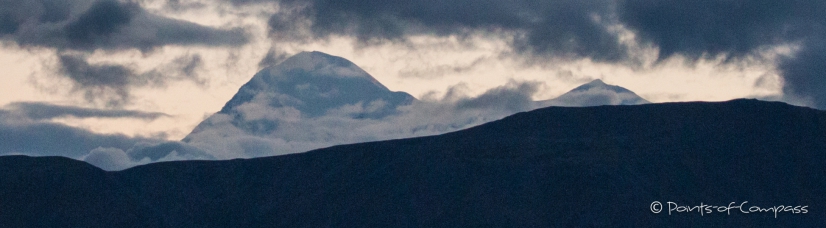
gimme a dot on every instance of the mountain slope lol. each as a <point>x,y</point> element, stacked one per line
<point>558,166</point>
<point>595,93</point>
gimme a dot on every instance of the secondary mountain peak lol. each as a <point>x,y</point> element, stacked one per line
<point>599,84</point>
<point>595,93</point>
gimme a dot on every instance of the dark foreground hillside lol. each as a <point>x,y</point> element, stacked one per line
<point>595,166</point>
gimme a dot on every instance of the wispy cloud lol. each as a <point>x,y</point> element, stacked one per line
<point>45,111</point>
<point>111,83</point>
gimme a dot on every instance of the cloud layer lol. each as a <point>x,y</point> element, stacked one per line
<point>111,83</point>
<point>739,29</point>
<point>561,28</point>
<point>103,24</point>
<point>25,129</point>
<point>76,28</point>
<point>591,29</point>
<point>45,111</point>
<point>608,31</point>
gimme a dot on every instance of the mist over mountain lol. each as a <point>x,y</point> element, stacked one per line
<point>557,166</point>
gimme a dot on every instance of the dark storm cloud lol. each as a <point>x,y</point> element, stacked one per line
<point>805,74</point>
<point>8,25</point>
<point>736,29</point>
<point>111,83</point>
<point>564,28</point>
<point>104,24</point>
<point>166,31</point>
<point>99,22</point>
<point>561,28</point>
<point>44,111</point>
<point>79,70</point>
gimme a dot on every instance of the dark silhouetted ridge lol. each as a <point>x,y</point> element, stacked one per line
<point>553,167</point>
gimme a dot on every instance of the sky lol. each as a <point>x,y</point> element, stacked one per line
<point>126,72</point>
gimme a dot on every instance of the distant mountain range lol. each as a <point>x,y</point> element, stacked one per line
<point>599,166</point>
<point>310,86</point>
